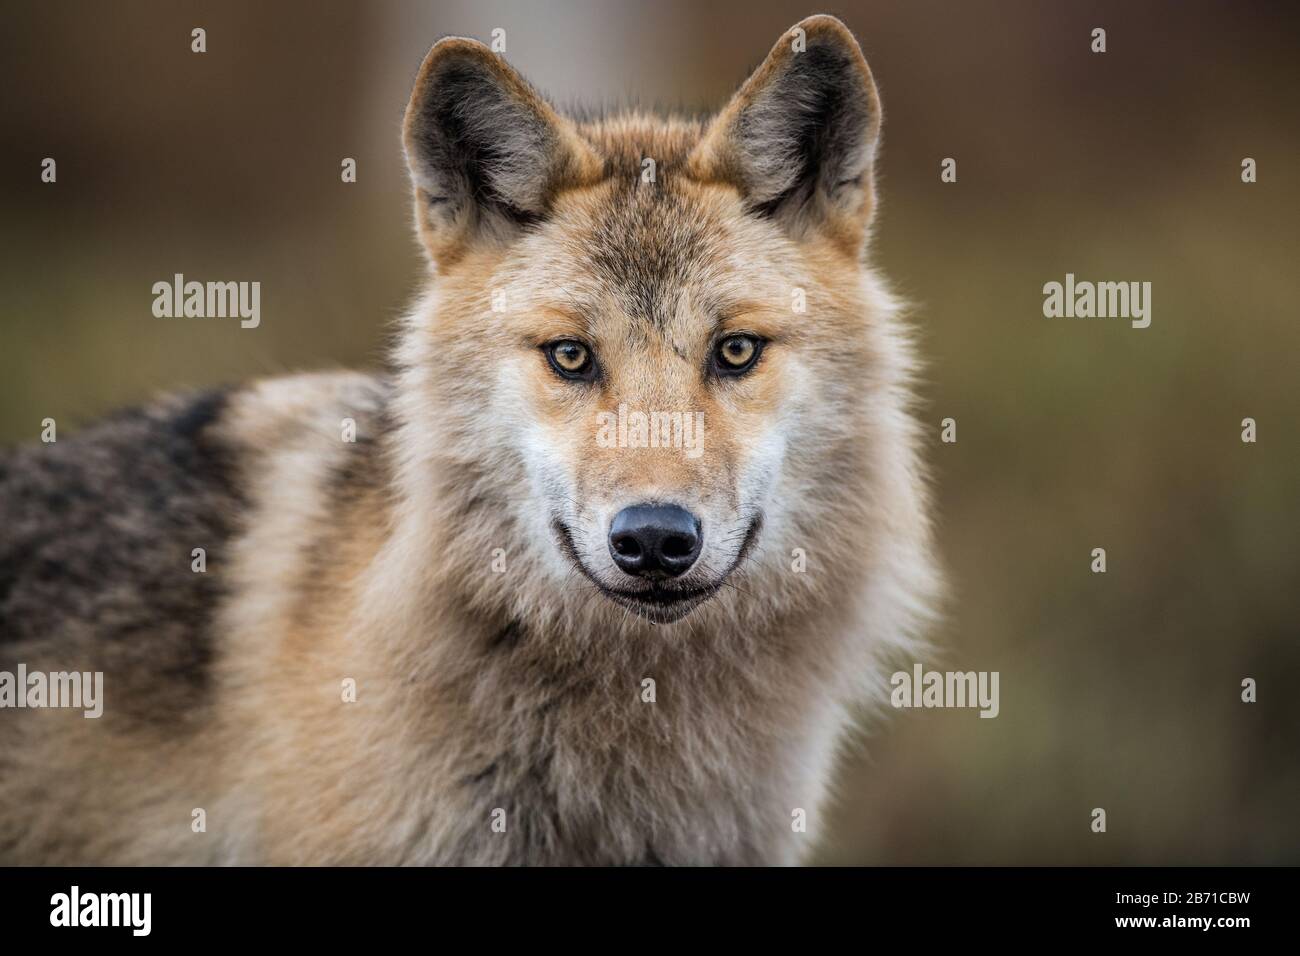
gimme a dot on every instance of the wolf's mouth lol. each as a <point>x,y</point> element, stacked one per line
<point>657,603</point>
<point>661,605</point>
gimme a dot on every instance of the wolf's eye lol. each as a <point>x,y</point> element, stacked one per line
<point>571,359</point>
<point>736,354</point>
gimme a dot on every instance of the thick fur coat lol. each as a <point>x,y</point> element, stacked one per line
<point>517,697</point>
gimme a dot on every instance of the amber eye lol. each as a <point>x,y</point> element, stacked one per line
<point>737,354</point>
<point>571,359</point>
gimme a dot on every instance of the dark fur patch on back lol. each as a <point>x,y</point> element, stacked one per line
<point>95,555</point>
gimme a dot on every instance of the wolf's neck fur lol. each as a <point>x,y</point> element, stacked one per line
<point>535,691</point>
<point>483,690</point>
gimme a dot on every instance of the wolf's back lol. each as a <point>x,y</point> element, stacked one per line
<point>98,533</point>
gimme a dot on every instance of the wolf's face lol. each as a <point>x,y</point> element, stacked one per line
<point>659,323</point>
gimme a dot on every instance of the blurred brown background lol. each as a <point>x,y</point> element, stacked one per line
<point>1119,690</point>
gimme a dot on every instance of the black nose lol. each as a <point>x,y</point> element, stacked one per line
<point>655,541</point>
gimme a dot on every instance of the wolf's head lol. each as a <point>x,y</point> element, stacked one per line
<point>653,361</point>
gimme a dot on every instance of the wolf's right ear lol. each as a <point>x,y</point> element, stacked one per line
<point>487,154</point>
<point>799,138</point>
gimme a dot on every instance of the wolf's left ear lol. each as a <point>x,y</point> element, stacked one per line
<point>487,154</point>
<point>799,138</point>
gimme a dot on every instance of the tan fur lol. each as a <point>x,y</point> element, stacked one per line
<point>391,583</point>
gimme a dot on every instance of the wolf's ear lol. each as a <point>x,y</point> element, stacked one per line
<point>799,138</point>
<point>486,153</point>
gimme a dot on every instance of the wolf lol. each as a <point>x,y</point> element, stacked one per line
<point>421,615</point>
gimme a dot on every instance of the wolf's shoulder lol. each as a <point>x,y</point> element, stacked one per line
<point>278,413</point>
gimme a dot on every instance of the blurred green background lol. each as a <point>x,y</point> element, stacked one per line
<point>1119,690</point>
